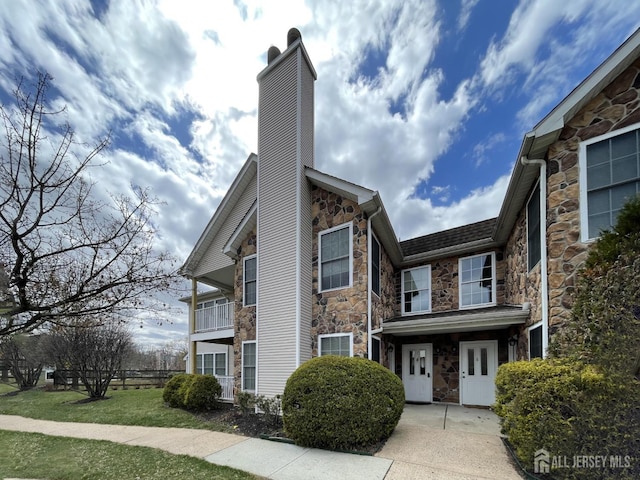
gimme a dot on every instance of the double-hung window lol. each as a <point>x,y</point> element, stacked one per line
<point>477,280</point>
<point>249,366</point>
<point>533,228</point>
<point>336,252</point>
<point>336,344</point>
<point>609,176</point>
<point>250,279</point>
<point>416,290</point>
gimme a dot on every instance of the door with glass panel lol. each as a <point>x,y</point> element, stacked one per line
<point>478,366</point>
<point>417,361</point>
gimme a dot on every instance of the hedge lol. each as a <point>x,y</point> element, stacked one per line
<point>341,403</point>
<point>569,409</point>
<point>192,392</point>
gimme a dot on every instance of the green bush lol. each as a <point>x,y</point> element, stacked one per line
<point>569,409</point>
<point>341,403</point>
<point>173,394</point>
<point>192,392</point>
<point>202,393</point>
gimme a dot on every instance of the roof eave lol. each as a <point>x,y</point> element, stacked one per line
<point>224,207</point>
<point>450,251</point>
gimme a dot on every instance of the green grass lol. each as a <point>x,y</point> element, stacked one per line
<point>143,407</point>
<point>33,455</point>
<point>7,387</point>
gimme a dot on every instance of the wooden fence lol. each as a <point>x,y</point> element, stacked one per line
<point>123,379</point>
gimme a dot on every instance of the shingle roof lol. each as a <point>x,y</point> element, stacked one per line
<point>447,238</point>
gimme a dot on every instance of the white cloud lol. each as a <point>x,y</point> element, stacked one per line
<point>465,13</point>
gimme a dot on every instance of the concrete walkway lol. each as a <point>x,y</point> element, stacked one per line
<point>431,441</point>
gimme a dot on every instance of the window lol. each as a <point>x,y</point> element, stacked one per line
<point>535,342</point>
<point>335,257</point>
<point>249,366</point>
<point>477,280</point>
<point>212,364</point>
<point>250,280</point>
<point>336,344</point>
<point>533,228</point>
<point>375,265</point>
<point>416,290</point>
<point>609,175</point>
<point>375,349</point>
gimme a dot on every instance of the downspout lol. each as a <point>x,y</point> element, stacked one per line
<point>544,277</point>
<point>369,234</point>
<point>192,325</point>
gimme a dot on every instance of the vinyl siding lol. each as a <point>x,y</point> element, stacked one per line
<point>283,206</point>
<point>214,259</point>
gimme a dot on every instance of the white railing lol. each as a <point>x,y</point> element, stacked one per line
<point>217,317</point>
<point>226,383</point>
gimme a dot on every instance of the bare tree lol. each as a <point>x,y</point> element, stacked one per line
<point>24,357</point>
<point>70,255</point>
<point>95,350</point>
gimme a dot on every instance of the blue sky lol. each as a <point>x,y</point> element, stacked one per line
<point>425,101</point>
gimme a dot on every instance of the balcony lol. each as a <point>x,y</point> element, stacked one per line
<point>226,382</point>
<point>216,317</point>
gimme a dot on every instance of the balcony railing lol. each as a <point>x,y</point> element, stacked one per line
<point>217,317</point>
<point>226,382</point>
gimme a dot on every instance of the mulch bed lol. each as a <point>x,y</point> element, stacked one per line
<point>256,425</point>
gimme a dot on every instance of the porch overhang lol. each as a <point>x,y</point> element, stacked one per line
<point>492,318</point>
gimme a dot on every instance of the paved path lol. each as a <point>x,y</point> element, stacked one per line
<point>430,442</point>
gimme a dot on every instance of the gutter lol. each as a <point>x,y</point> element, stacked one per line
<point>369,234</point>
<point>544,279</point>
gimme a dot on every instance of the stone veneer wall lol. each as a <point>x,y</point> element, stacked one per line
<point>444,282</point>
<point>343,310</point>
<point>245,317</point>
<point>617,106</point>
<point>521,285</point>
<point>384,306</point>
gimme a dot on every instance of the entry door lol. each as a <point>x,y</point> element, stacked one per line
<point>417,360</point>
<point>478,367</point>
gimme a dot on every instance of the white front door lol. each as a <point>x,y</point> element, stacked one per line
<point>417,360</point>
<point>478,365</point>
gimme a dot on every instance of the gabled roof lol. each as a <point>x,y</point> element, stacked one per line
<point>454,241</point>
<point>240,183</point>
<point>536,142</point>
<point>369,201</point>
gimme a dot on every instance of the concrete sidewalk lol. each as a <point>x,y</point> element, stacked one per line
<point>430,442</point>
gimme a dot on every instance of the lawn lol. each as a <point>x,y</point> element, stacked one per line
<point>124,407</point>
<point>34,455</point>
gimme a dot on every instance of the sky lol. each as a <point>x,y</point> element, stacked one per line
<point>425,101</point>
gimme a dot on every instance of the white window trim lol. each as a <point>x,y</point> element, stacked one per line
<point>536,186</point>
<point>582,163</point>
<point>200,362</point>
<point>402,290</point>
<point>244,280</point>
<point>374,238</point>
<point>379,339</point>
<point>493,282</point>
<point>533,327</point>
<point>328,335</point>
<point>242,366</point>
<point>330,230</point>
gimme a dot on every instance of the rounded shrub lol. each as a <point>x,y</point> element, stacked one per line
<point>173,393</point>
<point>202,393</point>
<point>341,403</point>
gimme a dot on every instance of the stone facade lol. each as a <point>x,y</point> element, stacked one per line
<point>343,310</point>
<point>444,282</point>
<point>522,285</point>
<point>617,106</point>
<point>245,317</point>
